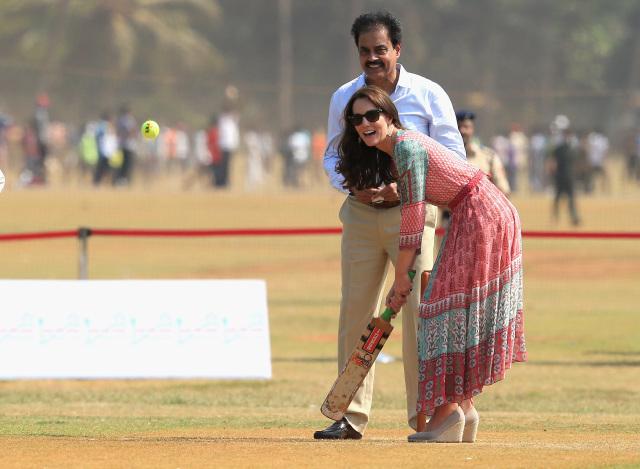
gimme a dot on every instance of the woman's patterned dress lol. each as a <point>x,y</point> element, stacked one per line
<point>471,324</point>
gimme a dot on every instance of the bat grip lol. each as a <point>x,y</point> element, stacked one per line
<point>388,312</point>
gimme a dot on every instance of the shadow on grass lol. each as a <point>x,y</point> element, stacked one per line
<point>303,359</point>
<point>585,364</point>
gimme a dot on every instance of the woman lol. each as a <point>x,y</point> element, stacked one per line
<point>471,324</point>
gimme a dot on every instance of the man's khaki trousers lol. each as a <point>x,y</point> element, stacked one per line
<point>369,242</point>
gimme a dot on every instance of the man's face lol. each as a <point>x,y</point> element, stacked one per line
<point>466,129</point>
<point>378,57</point>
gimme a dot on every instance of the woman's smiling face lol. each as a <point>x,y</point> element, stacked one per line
<point>371,133</point>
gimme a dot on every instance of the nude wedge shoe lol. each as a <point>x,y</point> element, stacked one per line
<point>471,420</point>
<point>450,431</point>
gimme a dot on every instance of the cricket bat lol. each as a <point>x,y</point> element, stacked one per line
<point>362,359</point>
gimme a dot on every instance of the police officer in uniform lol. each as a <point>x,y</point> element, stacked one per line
<point>484,158</point>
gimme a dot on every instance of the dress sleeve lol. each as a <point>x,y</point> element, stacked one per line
<point>412,161</point>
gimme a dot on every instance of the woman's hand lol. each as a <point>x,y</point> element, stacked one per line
<point>399,292</point>
<point>386,193</point>
<point>364,196</point>
<point>402,287</point>
<point>387,301</point>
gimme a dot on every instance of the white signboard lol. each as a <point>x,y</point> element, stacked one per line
<point>134,329</point>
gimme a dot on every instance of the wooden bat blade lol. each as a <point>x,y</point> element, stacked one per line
<point>355,370</point>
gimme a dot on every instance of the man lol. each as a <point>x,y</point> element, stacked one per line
<point>484,158</point>
<point>127,129</point>
<point>43,130</point>
<point>228,140</point>
<point>107,145</point>
<point>564,159</point>
<point>597,146</point>
<point>371,217</point>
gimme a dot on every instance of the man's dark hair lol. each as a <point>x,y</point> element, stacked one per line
<point>375,20</point>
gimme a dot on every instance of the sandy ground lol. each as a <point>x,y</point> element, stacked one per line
<point>297,448</point>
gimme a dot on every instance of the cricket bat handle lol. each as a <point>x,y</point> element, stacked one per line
<point>424,279</point>
<point>388,313</point>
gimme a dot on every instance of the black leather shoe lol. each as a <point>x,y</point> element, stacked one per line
<point>340,430</point>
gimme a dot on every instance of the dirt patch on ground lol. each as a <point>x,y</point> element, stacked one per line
<point>297,448</point>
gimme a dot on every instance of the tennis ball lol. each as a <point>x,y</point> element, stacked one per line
<point>150,129</point>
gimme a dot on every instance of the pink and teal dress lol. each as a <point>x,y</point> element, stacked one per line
<point>471,325</point>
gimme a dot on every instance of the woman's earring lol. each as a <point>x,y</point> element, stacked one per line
<point>389,130</point>
<point>359,140</point>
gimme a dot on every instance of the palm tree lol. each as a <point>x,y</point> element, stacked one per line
<point>82,42</point>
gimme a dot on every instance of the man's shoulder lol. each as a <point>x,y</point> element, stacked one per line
<point>486,150</point>
<point>418,82</point>
<point>349,88</point>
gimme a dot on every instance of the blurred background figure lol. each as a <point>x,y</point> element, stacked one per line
<point>318,145</point>
<point>538,149</point>
<point>597,150</point>
<point>637,155</point>
<point>200,167</point>
<point>228,141</point>
<point>88,150</point>
<point>520,155</point>
<point>5,124</point>
<point>503,148</point>
<point>182,147</point>
<point>213,144</point>
<point>42,125</point>
<point>167,148</point>
<point>31,156</point>
<point>128,136</point>
<point>563,167</point>
<point>631,172</point>
<point>255,159</point>
<point>266,143</point>
<point>299,153</point>
<point>483,157</point>
<point>107,144</point>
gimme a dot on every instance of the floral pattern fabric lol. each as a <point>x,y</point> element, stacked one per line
<point>471,325</point>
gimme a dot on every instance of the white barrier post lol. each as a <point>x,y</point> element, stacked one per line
<point>83,234</point>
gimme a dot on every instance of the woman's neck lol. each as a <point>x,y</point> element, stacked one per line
<point>389,143</point>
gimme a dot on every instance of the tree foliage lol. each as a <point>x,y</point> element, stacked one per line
<point>510,60</point>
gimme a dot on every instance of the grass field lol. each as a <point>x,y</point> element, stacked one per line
<point>575,404</point>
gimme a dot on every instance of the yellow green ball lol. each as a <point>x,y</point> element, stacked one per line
<point>150,129</point>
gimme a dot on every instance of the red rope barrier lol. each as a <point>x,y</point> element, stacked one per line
<point>50,234</point>
<point>229,232</point>
<point>281,232</point>
<point>578,234</point>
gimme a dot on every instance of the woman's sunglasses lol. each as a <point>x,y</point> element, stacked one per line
<point>372,116</point>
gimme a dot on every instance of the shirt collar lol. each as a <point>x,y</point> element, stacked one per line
<point>403,82</point>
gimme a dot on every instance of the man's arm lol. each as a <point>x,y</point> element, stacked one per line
<point>334,128</point>
<point>444,127</point>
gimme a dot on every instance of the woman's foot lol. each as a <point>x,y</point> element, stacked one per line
<point>471,420</point>
<point>450,431</point>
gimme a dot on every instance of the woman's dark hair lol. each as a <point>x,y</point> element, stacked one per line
<point>375,20</point>
<point>361,166</point>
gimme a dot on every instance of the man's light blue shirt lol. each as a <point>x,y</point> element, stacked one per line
<point>422,105</point>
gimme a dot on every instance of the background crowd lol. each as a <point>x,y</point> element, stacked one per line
<point>110,151</point>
